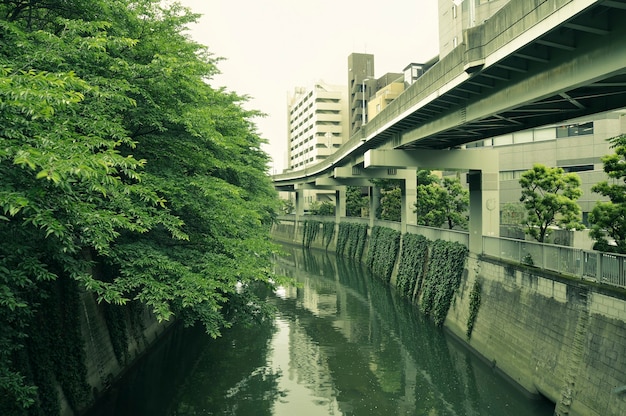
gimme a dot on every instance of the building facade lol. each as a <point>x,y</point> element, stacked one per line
<point>316,126</point>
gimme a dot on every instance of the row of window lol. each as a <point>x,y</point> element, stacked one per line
<point>508,175</point>
<point>537,135</point>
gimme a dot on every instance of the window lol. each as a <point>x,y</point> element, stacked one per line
<point>574,130</point>
<point>578,168</point>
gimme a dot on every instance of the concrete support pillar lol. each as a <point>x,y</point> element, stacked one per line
<point>374,202</point>
<point>409,197</point>
<point>299,211</point>
<point>340,203</point>
<point>484,213</point>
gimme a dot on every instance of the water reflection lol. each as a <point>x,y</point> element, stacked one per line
<point>383,357</point>
<point>342,344</point>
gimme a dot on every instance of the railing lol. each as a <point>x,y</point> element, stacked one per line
<point>607,268</point>
<point>598,266</point>
<point>440,234</point>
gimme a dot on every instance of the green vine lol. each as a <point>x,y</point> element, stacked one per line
<point>351,240</point>
<point>445,268</point>
<point>413,259</point>
<point>328,232</point>
<point>53,356</point>
<point>311,228</point>
<point>115,318</point>
<point>475,299</point>
<point>383,251</point>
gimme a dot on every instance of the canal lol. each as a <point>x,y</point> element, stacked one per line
<point>342,343</point>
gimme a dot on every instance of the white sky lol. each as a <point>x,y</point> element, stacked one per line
<point>272,46</point>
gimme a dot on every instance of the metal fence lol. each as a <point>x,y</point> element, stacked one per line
<point>607,268</point>
<point>600,267</point>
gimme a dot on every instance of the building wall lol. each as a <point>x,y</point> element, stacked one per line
<point>578,153</point>
<point>316,126</point>
<point>360,68</point>
<point>383,97</point>
<point>456,16</point>
<point>316,123</point>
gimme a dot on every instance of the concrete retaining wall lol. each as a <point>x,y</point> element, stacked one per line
<point>102,365</point>
<point>559,337</point>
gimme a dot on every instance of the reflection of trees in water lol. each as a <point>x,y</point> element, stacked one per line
<point>232,377</point>
<point>392,353</point>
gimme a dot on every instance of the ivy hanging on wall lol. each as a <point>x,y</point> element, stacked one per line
<point>411,268</point>
<point>351,240</point>
<point>53,357</point>
<point>474,305</point>
<point>445,268</point>
<point>383,251</point>
<point>310,230</point>
<point>328,232</point>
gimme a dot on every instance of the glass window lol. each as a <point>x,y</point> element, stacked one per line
<point>503,140</point>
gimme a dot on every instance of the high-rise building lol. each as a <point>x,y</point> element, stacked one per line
<point>361,82</point>
<point>316,126</point>
<point>455,16</point>
<point>316,123</point>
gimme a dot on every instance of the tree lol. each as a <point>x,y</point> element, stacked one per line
<point>608,219</point>
<point>287,206</point>
<point>123,170</point>
<point>391,204</point>
<point>441,201</point>
<point>355,201</point>
<point>549,196</point>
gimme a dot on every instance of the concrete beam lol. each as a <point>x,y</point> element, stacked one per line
<point>357,172</point>
<point>313,186</point>
<point>458,159</point>
<point>330,182</point>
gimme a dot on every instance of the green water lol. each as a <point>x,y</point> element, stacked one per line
<point>341,344</point>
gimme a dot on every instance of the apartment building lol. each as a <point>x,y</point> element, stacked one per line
<point>316,126</point>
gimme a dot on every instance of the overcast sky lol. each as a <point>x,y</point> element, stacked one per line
<point>272,46</point>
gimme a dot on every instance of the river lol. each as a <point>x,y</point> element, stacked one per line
<point>342,343</point>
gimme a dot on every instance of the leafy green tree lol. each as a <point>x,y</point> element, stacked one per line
<point>287,206</point>
<point>549,196</point>
<point>441,201</point>
<point>391,204</point>
<point>355,201</point>
<point>608,219</point>
<point>326,208</point>
<point>123,170</point>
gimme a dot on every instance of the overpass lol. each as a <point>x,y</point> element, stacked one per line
<point>533,63</point>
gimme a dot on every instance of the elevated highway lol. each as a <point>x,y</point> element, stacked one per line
<point>535,62</point>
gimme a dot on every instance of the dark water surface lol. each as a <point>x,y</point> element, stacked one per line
<point>341,344</point>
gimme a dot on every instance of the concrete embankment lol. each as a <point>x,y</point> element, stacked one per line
<point>551,334</point>
<point>103,366</point>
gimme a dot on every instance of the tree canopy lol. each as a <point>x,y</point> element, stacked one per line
<point>549,196</point>
<point>441,201</point>
<point>608,218</point>
<point>123,169</point>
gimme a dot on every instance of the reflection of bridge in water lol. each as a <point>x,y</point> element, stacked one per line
<point>533,63</point>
